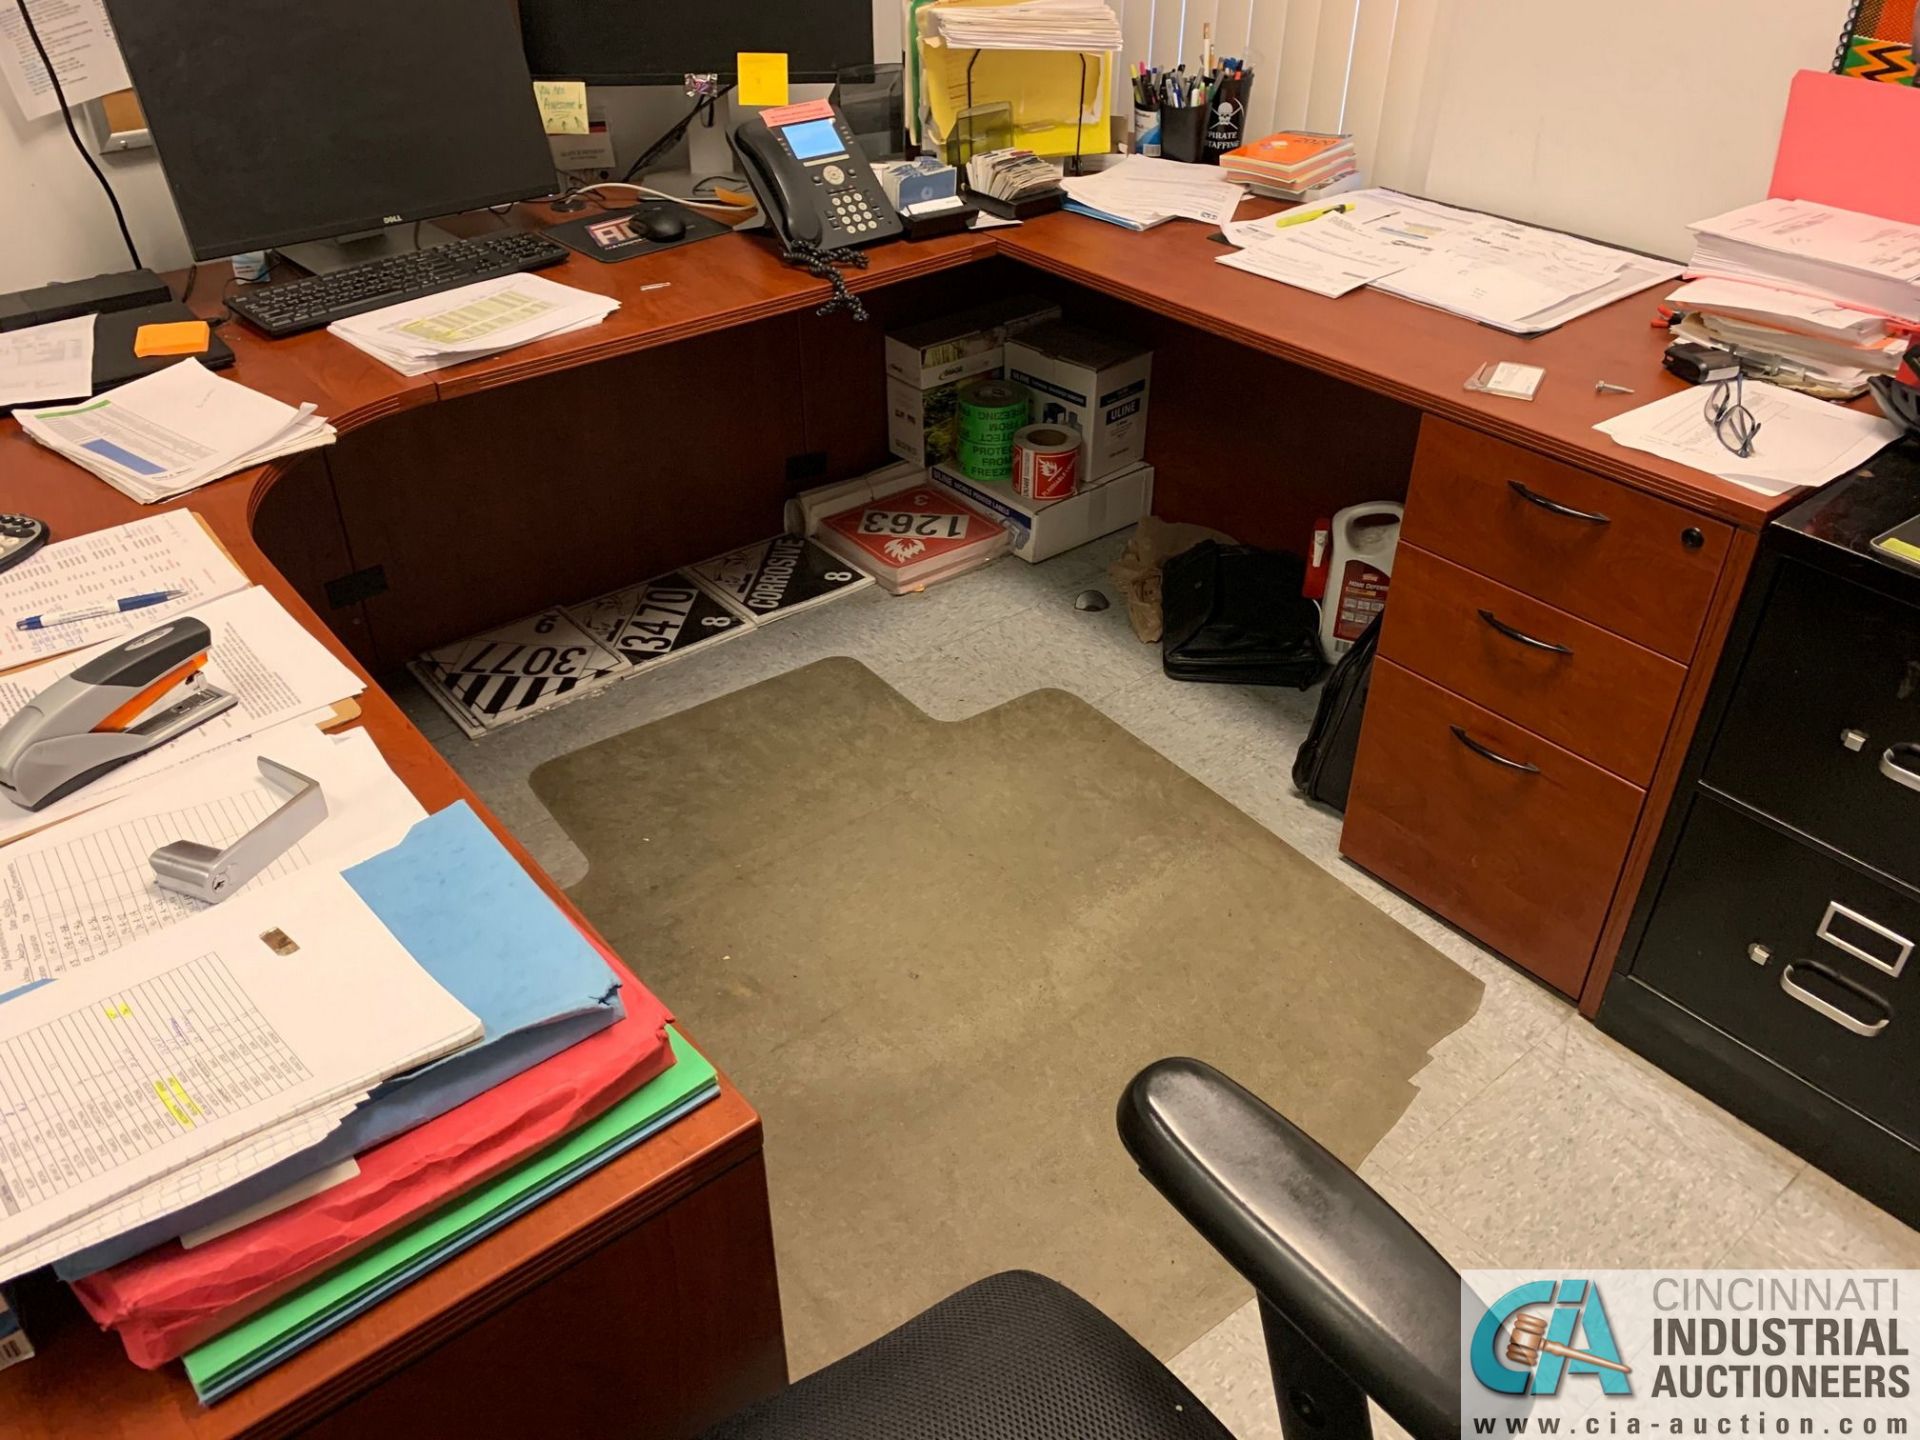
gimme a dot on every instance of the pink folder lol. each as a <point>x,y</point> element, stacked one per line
<point>1850,143</point>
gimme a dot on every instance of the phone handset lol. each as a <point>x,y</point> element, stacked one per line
<point>782,187</point>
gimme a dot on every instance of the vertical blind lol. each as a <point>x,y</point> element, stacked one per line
<point>1359,65</point>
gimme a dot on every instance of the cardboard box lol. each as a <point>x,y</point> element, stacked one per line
<point>923,425</point>
<point>1088,383</point>
<point>1042,530</point>
<point>955,347</point>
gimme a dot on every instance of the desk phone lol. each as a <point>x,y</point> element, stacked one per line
<point>814,184</point>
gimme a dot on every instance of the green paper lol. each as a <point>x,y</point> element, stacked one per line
<point>312,1303</point>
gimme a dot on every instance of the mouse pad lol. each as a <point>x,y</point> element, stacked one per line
<point>611,236</point>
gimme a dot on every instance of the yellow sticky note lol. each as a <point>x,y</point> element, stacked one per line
<point>563,106</point>
<point>763,77</point>
<point>176,337</point>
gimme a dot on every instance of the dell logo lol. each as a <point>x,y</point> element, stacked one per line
<point>390,220</point>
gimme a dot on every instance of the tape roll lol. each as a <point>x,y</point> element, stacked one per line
<point>1046,462</point>
<point>992,412</point>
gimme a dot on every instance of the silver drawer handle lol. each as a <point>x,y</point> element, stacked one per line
<point>1891,767</point>
<point>1832,1012</point>
<point>1534,497</point>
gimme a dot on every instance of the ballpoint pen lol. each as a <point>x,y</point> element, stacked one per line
<point>116,607</point>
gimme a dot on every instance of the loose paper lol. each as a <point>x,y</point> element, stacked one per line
<point>80,42</point>
<point>260,653</point>
<point>75,893</point>
<point>47,362</point>
<point>195,1042</point>
<point>162,552</point>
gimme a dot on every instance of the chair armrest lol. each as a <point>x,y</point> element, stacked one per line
<point>1312,1238</point>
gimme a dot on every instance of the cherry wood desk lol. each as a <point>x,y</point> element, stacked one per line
<point>644,1298</point>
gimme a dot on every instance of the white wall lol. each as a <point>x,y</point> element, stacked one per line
<point>1583,117</point>
<point>56,225</point>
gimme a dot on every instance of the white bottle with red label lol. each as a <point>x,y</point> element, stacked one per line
<point>1365,538</point>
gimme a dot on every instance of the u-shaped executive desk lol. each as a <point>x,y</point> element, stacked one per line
<point>643,1300</point>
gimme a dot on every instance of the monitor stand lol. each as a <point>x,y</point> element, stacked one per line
<point>710,158</point>
<point>344,251</point>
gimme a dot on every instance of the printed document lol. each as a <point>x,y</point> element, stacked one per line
<point>260,653</point>
<point>47,362</point>
<point>80,43</point>
<point>1801,440</point>
<point>79,891</point>
<point>174,430</point>
<point>162,552</point>
<point>194,1041</point>
<point>484,318</point>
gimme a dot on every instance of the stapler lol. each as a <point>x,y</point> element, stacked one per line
<point>116,707</point>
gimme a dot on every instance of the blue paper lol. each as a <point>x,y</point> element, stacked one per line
<point>473,918</point>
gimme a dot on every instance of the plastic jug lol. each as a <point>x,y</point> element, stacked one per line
<point>1365,538</point>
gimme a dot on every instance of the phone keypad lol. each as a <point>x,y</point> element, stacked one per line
<point>853,213</point>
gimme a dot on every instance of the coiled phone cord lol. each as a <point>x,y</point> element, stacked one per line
<point>826,264</point>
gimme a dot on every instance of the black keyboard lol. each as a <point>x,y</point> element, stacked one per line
<point>307,304</point>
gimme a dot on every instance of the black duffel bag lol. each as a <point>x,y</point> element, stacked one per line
<point>1234,614</point>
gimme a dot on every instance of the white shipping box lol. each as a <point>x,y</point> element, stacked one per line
<point>1043,529</point>
<point>923,426</point>
<point>953,347</point>
<point>1087,383</point>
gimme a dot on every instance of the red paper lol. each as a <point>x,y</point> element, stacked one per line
<point>1850,143</point>
<point>167,1301</point>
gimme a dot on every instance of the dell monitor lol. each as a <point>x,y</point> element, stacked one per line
<point>309,120</point>
<point>660,42</point>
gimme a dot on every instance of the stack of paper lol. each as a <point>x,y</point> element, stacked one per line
<point>476,320</point>
<point>1141,192</point>
<point>1859,260</point>
<point>200,1056</point>
<point>171,551</point>
<point>1800,441</point>
<point>174,430</point>
<point>1029,25</point>
<point>79,891</point>
<point>260,653</point>
<point>1791,337</point>
<point>1516,277</point>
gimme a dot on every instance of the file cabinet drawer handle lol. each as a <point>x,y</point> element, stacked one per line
<point>1851,1024</point>
<point>1534,497</point>
<point>1520,637</point>
<point>1485,754</point>
<point>1891,767</point>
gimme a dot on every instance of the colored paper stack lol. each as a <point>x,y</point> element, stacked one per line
<point>1295,165</point>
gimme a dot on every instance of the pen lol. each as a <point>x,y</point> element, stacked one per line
<point>74,617</point>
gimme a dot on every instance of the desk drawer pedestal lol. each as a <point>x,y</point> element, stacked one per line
<point>1537,642</point>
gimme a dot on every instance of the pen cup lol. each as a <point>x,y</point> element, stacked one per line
<point>1183,133</point>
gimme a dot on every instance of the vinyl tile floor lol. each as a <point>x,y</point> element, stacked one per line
<point>1524,1089</point>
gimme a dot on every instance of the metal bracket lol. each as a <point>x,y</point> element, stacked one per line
<point>201,872</point>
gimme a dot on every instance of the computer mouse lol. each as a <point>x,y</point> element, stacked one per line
<point>663,226</point>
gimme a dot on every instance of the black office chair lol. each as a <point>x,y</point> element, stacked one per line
<point>1353,1300</point>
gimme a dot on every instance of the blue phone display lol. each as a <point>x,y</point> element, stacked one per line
<point>813,138</point>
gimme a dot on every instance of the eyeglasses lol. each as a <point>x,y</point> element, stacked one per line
<point>1732,421</point>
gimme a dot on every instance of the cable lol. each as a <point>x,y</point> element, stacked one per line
<point>657,194</point>
<point>66,113</point>
<point>826,264</point>
<point>704,105</point>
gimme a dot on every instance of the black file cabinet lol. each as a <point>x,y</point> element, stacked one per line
<point>1769,961</point>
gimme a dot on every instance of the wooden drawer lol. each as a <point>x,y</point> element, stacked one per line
<point>1630,563</point>
<point>1524,860</point>
<point>1584,688</point>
